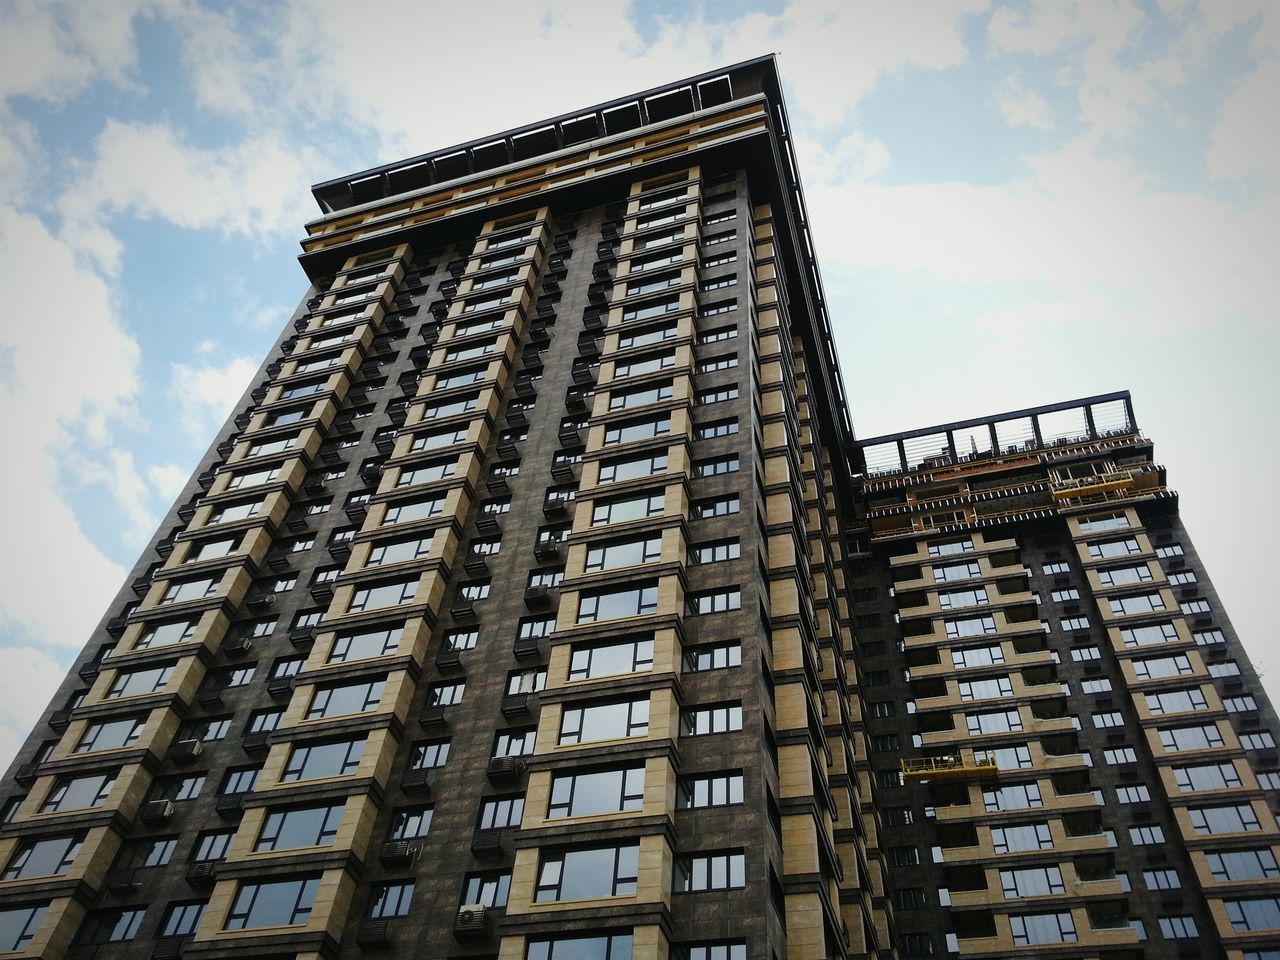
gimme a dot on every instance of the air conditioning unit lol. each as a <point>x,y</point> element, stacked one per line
<point>157,811</point>
<point>399,853</point>
<point>472,920</point>
<point>505,769</point>
<point>201,873</point>
<point>184,751</point>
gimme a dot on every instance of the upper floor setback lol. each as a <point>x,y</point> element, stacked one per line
<point>1035,462</point>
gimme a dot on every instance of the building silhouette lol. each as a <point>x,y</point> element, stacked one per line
<point>537,602</point>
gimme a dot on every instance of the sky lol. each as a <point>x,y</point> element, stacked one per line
<point>1072,197</point>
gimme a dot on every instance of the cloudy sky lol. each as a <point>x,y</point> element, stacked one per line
<point>1081,196</point>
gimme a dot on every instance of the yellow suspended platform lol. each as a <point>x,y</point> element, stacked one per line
<point>947,768</point>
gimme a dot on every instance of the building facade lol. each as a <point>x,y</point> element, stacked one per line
<point>1072,752</point>
<point>537,603</point>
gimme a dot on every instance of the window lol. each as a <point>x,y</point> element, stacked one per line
<point>1176,701</point>
<point>487,889</point>
<point>601,947</point>
<point>709,790</point>
<point>1257,741</point>
<point>498,813</point>
<point>364,644</point>
<point>986,689</point>
<point>956,571</point>
<point>18,925</point>
<point>1064,596</point>
<point>233,512</point>
<point>1031,882</point>
<point>970,627</point>
<point>716,309</point>
<point>384,595</point>
<point>717,466</point>
<point>716,551</point>
<point>1208,776</point>
<point>725,361</point>
<point>1085,654</point>
<point>300,827</point>
<point>1133,793</point>
<point>1182,579</point>
<point>334,700</point>
<point>1100,685</point>
<point>408,511</point>
<point>425,474</point>
<point>316,760</point>
<point>438,440</point>
<point>211,846</point>
<point>43,858</point>
<point>1031,836</point>
<point>605,721</point>
<point>1075,623</point>
<point>1013,796</point>
<point>1119,756</point>
<point>1261,914</point>
<point>611,659</point>
<point>410,823</point>
<point>614,604</point>
<point>1103,522</point>
<point>1178,928</point>
<point>650,363</point>
<point>1237,818</point>
<point>1178,739</point>
<point>596,792</point>
<point>150,852</point>
<point>391,900</point>
<point>717,395</point>
<point>111,926</point>
<point>647,336</point>
<point>475,590</point>
<point>1195,606</point>
<point>166,634</point>
<point>998,721</point>
<point>713,656</point>
<point>623,553</point>
<point>526,681</point>
<point>178,789</point>
<point>1207,638</point>
<point>1110,718</point>
<point>715,601</point>
<point>717,718</point>
<point>264,721</point>
<point>717,507</point>
<point>182,918</point>
<point>186,590</point>
<point>79,793</point>
<point>239,780</point>
<point>616,471</point>
<point>640,396</point>
<point>514,743</point>
<point>1146,836</point>
<point>635,430</point>
<point>398,551</point>
<point>1235,865</point>
<point>1161,879</point>
<point>276,903</point>
<point>711,871</point>
<point>110,735</point>
<point>446,694</point>
<point>625,510</point>
<point>1035,928</point>
<point>717,334</point>
<point>1243,704</point>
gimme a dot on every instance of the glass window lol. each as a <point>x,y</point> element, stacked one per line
<point>79,793</point>
<point>711,871</point>
<point>110,735</point>
<point>604,721</point>
<point>277,903</point>
<point>299,827</point>
<point>391,900</point>
<point>182,918</point>
<point>43,858</point>
<point>595,792</point>
<point>592,947</point>
<point>334,700</point>
<point>709,790</point>
<point>410,823</point>
<point>498,813</point>
<point>614,604</point>
<point>487,889</point>
<point>312,761</point>
<point>589,873</point>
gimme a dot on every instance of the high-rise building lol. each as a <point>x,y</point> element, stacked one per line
<point>537,603</point>
<point>1070,749</point>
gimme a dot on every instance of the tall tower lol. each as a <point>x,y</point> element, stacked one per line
<point>507,615</point>
<point>1072,752</point>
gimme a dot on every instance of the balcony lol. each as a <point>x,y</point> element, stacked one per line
<point>923,769</point>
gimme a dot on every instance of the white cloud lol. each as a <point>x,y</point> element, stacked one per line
<point>1246,141</point>
<point>51,50</point>
<point>72,379</point>
<point>167,480</point>
<point>27,683</point>
<point>1023,107</point>
<point>205,395</point>
<point>256,187</point>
